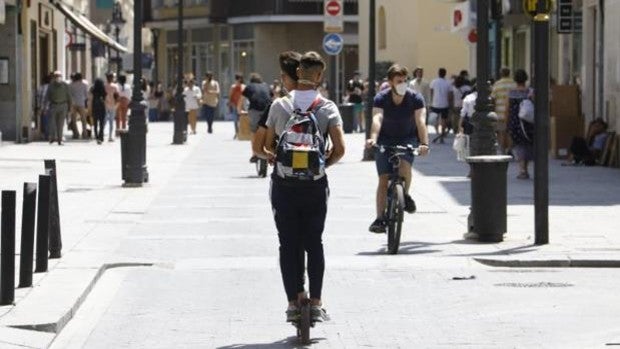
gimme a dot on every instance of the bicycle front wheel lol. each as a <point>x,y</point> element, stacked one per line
<point>395,209</point>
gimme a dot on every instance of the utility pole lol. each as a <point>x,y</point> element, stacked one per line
<point>369,153</point>
<point>541,123</point>
<point>180,127</point>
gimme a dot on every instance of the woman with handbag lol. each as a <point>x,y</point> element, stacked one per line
<point>521,131</point>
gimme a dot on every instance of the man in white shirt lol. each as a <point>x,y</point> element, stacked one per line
<point>442,97</point>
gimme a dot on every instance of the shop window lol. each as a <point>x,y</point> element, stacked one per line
<point>382,29</point>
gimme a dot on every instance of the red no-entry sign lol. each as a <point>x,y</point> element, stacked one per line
<point>333,8</point>
<point>333,14</point>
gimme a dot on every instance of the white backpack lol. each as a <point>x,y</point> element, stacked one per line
<point>300,154</point>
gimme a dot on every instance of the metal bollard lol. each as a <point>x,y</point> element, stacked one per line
<point>7,266</point>
<point>27,244</point>
<point>55,239</point>
<point>43,223</point>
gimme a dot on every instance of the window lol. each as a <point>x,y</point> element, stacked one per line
<point>382,29</point>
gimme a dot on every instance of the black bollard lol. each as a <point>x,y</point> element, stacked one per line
<point>43,223</point>
<point>7,248</point>
<point>27,246</point>
<point>55,240</point>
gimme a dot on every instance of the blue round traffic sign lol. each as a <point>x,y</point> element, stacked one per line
<point>332,44</point>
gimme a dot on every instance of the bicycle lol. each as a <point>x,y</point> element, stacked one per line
<point>394,210</point>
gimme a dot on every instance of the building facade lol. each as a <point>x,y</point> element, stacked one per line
<point>39,37</point>
<point>243,36</point>
<point>413,33</point>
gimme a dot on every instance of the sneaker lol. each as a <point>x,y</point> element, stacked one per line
<point>409,204</point>
<point>254,159</point>
<point>110,139</point>
<point>292,314</point>
<point>318,314</point>
<point>378,226</point>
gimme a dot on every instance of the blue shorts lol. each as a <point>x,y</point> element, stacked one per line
<point>382,160</point>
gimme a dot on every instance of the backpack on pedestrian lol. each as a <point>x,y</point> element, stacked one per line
<point>300,153</point>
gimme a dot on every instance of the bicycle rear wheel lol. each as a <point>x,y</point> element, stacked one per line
<point>395,208</point>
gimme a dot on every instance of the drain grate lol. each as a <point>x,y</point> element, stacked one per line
<point>534,284</point>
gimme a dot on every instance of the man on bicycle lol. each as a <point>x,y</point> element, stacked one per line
<point>398,119</point>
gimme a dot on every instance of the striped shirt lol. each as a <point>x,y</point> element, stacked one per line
<point>500,95</point>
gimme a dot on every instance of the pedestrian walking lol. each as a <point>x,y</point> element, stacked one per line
<point>299,192</point>
<point>59,99</point>
<point>124,98</point>
<point>234,96</point>
<point>210,99</point>
<point>258,94</point>
<point>441,96</point>
<point>355,90</point>
<point>42,108</point>
<point>79,97</point>
<point>192,96</point>
<point>499,93</point>
<point>522,132</point>
<point>153,102</point>
<point>98,108</point>
<point>420,85</point>
<point>111,103</point>
<point>460,89</point>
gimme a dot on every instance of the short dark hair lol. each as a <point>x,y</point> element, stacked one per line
<point>397,70</point>
<point>312,60</point>
<point>239,76</point>
<point>109,76</point>
<point>77,77</point>
<point>122,79</point>
<point>289,62</point>
<point>442,72</point>
<point>256,78</point>
<point>505,72</point>
<point>209,75</point>
<point>520,76</point>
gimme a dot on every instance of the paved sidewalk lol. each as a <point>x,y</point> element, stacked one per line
<point>185,220</point>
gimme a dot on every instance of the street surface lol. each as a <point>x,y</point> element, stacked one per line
<point>215,280</point>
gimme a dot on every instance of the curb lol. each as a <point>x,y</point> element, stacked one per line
<point>56,327</point>
<point>550,263</point>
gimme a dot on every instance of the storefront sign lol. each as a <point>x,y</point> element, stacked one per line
<point>46,17</point>
<point>461,18</point>
<point>569,20</point>
<point>333,16</point>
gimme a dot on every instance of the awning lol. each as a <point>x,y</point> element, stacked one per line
<point>90,28</point>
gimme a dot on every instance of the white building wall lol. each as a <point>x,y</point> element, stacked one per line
<point>612,63</point>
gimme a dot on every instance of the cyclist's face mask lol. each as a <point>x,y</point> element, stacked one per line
<point>400,89</point>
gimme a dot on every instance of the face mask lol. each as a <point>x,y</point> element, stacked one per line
<point>401,88</point>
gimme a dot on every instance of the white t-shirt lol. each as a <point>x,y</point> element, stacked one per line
<point>441,90</point>
<point>458,94</point>
<point>469,105</point>
<point>124,91</point>
<point>192,97</point>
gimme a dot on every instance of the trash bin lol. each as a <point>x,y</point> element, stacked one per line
<point>346,112</point>
<point>489,196</point>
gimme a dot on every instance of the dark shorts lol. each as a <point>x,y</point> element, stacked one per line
<point>443,113</point>
<point>382,160</point>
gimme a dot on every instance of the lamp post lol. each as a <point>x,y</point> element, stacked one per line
<point>180,126</point>
<point>133,142</point>
<point>118,21</point>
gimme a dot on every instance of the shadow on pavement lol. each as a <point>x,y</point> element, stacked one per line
<point>509,251</point>
<point>568,185</point>
<point>407,248</point>
<point>290,342</point>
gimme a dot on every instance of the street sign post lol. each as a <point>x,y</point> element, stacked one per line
<point>333,16</point>
<point>332,44</point>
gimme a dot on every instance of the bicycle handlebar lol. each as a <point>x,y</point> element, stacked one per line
<point>398,149</point>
